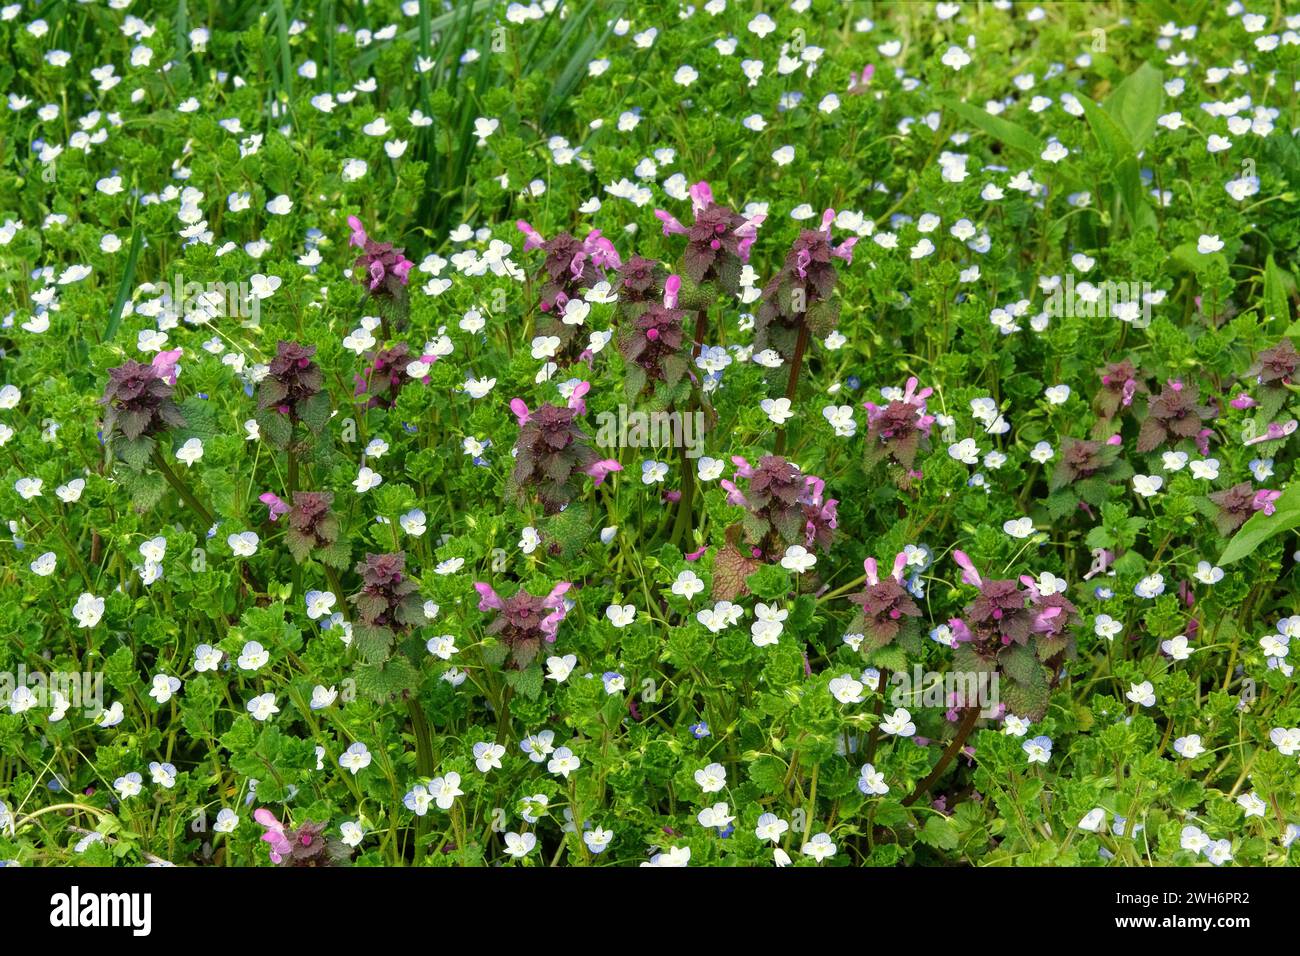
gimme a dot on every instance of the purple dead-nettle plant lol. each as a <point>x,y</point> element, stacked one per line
<point>897,430</point>
<point>1120,384</point>
<point>571,267</point>
<point>640,280</point>
<point>524,622</point>
<point>718,242</point>
<point>1230,508</point>
<point>650,342</point>
<point>139,408</point>
<point>383,270</point>
<point>552,452</point>
<point>1021,634</point>
<point>1173,416</point>
<point>889,613</point>
<point>783,507</point>
<point>1084,471</point>
<point>314,530</point>
<point>1274,370</point>
<point>307,845</point>
<point>139,403</point>
<point>385,376</point>
<point>388,608</point>
<point>798,301</point>
<point>291,393</point>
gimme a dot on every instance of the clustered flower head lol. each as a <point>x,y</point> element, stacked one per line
<point>386,375</point>
<point>570,268</point>
<point>314,530</point>
<point>718,242</point>
<point>139,402</point>
<point>1274,370</point>
<point>1276,367</point>
<point>523,621</point>
<point>1089,467</point>
<point>640,280</point>
<point>1024,634</point>
<point>387,599</point>
<point>307,845</point>
<point>799,295</point>
<point>1233,506</point>
<point>652,342</point>
<point>1171,416</point>
<point>899,429</point>
<point>291,392</point>
<point>1120,383</point>
<point>552,451</point>
<point>783,506</point>
<point>382,269</point>
<point>886,603</point>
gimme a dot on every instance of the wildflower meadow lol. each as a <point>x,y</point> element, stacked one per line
<point>585,433</point>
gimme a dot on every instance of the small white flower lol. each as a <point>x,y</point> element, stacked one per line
<point>243,544</point>
<point>190,452</point>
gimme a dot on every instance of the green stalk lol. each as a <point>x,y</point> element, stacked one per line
<point>182,488</point>
<point>424,763</point>
<point>792,385</point>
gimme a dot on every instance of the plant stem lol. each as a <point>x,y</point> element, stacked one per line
<point>423,762</point>
<point>968,719</point>
<point>792,384</point>
<point>181,488</point>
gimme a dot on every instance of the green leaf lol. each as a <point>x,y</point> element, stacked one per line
<point>1005,131</point>
<point>1260,527</point>
<point>939,833</point>
<point>1115,143</point>
<point>124,287</point>
<point>1276,303</point>
<point>1136,104</point>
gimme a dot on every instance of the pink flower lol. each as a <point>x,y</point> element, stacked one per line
<point>1264,500</point>
<point>274,835</point>
<point>489,600</point>
<point>532,238</point>
<point>165,363</point>
<point>968,573</point>
<point>603,469</point>
<point>601,250</point>
<point>701,194</point>
<point>1274,432</point>
<point>358,237</point>
<point>520,409</point>
<point>274,505</point>
<point>1242,401</point>
<point>672,285</point>
<point>576,401</point>
<point>671,226</point>
<point>555,601</point>
<point>734,495</point>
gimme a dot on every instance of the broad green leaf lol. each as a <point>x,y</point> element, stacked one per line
<point>1117,146</point>
<point>124,287</point>
<point>1000,129</point>
<point>1136,103</point>
<point>1260,527</point>
<point>1276,302</point>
